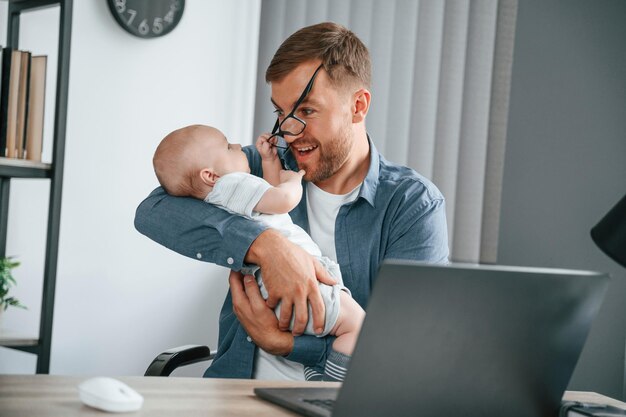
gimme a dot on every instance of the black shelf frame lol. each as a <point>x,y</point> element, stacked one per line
<point>54,172</point>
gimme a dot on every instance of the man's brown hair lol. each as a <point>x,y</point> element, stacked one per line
<point>344,57</point>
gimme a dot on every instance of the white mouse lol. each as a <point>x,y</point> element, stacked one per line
<point>110,395</point>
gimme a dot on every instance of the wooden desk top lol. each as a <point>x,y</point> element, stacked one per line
<point>52,396</point>
<point>57,396</point>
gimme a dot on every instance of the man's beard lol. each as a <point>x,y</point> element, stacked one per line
<point>331,157</point>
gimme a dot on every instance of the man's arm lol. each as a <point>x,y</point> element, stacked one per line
<point>419,230</point>
<point>207,233</point>
<point>196,229</point>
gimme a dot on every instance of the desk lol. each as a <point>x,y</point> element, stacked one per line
<point>57,396</point>
<point>52,396</point>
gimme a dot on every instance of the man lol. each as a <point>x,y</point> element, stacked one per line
<point>358,207</point>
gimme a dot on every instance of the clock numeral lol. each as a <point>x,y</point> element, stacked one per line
<point>175,5</point>
<point>169,17</point>
<point>157,26</point>
<point>132,14</point>
<point>120,5</point>
<point>143,27</point>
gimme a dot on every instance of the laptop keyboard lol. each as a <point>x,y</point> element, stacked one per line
<point>326,404</point>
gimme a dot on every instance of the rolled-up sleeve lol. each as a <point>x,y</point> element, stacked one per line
<point>195,229</point>
<point>309,350</point>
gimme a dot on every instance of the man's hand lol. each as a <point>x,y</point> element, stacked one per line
<point>290,275</point>
<point>256,317</point>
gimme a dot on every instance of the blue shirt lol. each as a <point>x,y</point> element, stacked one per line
<point>398,214</point>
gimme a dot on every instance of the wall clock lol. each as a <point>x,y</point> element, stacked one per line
<point>147,18</point>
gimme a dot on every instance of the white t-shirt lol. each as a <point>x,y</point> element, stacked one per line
<point>322,209</point>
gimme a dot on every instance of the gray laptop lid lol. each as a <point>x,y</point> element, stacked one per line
<point>466,341</point>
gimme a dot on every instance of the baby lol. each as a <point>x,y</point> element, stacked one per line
<point>198,161</point>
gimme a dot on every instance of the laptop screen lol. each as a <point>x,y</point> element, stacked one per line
<point>462,340</point>
<point>469,340</point>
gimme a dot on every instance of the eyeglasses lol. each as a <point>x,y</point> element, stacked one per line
<point>291,124</point>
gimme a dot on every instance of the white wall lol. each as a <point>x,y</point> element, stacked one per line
<point>122,298</point>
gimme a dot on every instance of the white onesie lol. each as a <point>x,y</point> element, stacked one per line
<point>239,193</point>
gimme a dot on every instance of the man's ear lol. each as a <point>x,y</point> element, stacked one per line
<point>208,176</point>
<point>360,105</point>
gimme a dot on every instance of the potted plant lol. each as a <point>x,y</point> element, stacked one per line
<point>6,282</point>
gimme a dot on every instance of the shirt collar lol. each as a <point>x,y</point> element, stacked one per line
<point>370,183</point>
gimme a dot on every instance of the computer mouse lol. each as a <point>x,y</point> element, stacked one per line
<point>109,394</point>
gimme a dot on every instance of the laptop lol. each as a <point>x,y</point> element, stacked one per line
<point>461,340</point>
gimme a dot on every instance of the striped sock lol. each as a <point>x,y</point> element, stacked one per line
<point>336,366</point>
<point>312,374</point>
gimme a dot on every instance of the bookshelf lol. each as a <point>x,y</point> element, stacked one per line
<point>12,168</point>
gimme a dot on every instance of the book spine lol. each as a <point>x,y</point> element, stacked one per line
<point>13,108</point>
<point>4,98</point>
<point>22,104</point>
<point>34,129</point>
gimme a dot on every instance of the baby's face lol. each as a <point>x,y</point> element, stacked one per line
<point>227,157</point>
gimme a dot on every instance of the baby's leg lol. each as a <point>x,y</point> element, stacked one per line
<point>346,330</point>
<point>348,324</point>
<point>331,295</point>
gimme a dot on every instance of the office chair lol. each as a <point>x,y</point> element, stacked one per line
<point>166,362</point>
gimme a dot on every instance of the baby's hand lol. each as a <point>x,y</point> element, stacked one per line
<point>291,176</point>
<point>265,148</point>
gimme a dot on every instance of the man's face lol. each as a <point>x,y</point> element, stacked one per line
<point>325,144</point>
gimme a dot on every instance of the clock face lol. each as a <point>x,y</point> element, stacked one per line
<point>147,18</point>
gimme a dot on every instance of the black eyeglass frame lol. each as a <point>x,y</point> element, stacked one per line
<point>277,130</point>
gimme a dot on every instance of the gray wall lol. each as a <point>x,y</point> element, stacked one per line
<point>566,157</point>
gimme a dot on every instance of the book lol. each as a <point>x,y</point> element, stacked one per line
<point>22,104</point>
<point>594,410</point>
<point>2,146</point>
<point>36,104</point>
<point>4,97</point>
<point>13,85</point>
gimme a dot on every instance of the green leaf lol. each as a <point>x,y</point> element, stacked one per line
<point>7,281</point>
